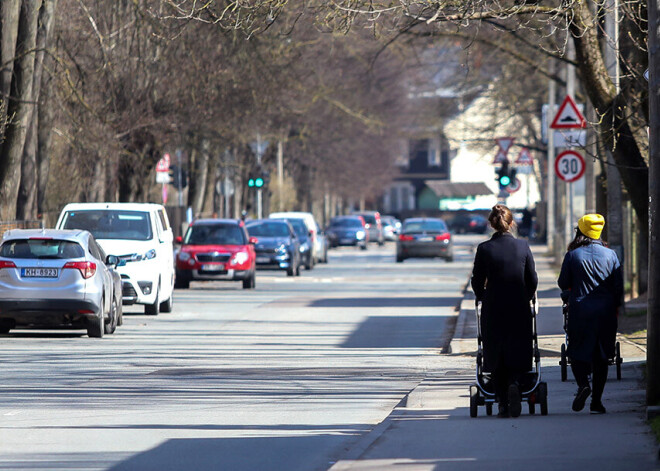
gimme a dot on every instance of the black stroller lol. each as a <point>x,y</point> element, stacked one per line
<point>565,361</point>
<point>532,389</point>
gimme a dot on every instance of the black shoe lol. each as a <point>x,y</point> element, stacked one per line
<point>597,407</point>
<point>514,401</point>
<point>581,398</point>
<point>503,411</point>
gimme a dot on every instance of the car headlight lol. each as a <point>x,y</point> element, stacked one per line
<point>239,258</point>
<point>304,247</point>
<point>183,256</point>
<point>149,255</point>
<point>281,249</point>
<point>360,234</point>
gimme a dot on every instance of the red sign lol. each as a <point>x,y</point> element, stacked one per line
<point>569,166</point>
<point>524,158</point>
<point>568,116</point>
<point>505,143</point>
<point>500,157</point>
<point>163,165</point>
<point>514,186</point>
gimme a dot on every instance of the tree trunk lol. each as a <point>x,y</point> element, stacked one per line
<point>20,109</point>
<point>9,14</point>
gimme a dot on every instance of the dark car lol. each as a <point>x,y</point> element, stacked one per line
<point>424,237</point>
<point>305,240</point>
<point>277,245</point>
<point>347,230</point>
<point>469,223</point>
<point>216,249</point>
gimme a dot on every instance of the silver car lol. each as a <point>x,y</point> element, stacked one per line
<point>58,278</point>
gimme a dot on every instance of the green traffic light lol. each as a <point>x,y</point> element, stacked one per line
<point>259,182</point>
<point>251,182</point>
<point>505,180</point>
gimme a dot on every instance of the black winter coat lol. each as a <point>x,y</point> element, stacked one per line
<point>504,279</point>
<point>593,275</point>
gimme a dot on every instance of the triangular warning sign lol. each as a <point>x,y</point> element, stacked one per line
<point>524,158</point>
<point>505,143</point>
<point>568,116</point>
<point>500,156</point>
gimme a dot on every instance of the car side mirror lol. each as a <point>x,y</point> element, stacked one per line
<point>179,240</point>
<point>253,240</point>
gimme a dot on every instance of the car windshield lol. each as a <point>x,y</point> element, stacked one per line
<point>41,248</point>
<point>369,218</point>
<point>425,226</point>
<point>268,229</point>
<point>299,227</point>
<point>110,223</point>
<point>214,234</point>
<point>346,222</point>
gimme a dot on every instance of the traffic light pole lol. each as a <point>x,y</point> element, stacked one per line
<point>259,205</point>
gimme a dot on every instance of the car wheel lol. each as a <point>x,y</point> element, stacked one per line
<point>381,243</point>
<point>291,271</point>
<point>310,263</point>
<point>399,259</point>
<point>364,246</point>
<point>166,306</point>
<point>250,283</point>
<point>298,268</point>
<point>96,326</point>
<point>450,258</point>
<point>182,280</point>
<point>153,309</point>
<point>5,327</point>
<point>110,327</point>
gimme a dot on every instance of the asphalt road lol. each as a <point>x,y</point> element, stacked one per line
<point>286,377</point>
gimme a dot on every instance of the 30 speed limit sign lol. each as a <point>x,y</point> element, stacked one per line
<point>569,166</point>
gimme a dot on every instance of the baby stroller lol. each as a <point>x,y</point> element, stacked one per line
<point>532,389</point>
<point>565,361</point>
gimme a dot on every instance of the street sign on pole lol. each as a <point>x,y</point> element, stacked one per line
<point>569,166</point>
<point>514,186</point>
<point>505,143</point>
<point>524,157</point>
<point>568,116</point>
<point>500,156</point>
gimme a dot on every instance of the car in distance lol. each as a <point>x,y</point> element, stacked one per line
<point>468,223</point>
<point>347,231</point>
<point>316,242</point>
<point>424,237</point>
<point>138,233</point>
<point>216,249</point>
<point>373,225</point>
<point>57,278</point>
<point>277,245</point>
<point>305,241</point>
<point>391,227</point>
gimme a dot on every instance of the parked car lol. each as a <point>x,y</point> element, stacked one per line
<point>373,225</point>
<point>216,249</point>
<point>317,244</point>
<point>58,278</point>
<point>138,233</point>
<point>276,246</point>
<point>391,227</point>
<point>347,230</point>
<point>304,238</point>
<point>468,223</point>
<point>424,237</point>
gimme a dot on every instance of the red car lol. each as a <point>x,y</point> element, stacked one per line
<point>216,249</point>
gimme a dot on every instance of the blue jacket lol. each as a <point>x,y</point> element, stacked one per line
<point>593,275</point>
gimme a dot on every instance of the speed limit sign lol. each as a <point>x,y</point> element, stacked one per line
<point>569,166</point>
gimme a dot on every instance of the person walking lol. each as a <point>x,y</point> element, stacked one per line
<point>591,277</point>
<point>504,280</point>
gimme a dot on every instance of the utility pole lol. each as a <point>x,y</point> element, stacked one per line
<point>653,311</point>
<point>550,209</point>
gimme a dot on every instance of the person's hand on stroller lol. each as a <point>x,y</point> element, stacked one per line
<point>565,296</point>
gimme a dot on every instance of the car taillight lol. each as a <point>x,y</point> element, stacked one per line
<point>87,269</point>
<point>473,223</point>
<point>7,264</point>
<point>406,238</point>
<point>445,236</point>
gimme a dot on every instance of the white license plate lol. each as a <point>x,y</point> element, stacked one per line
<point>40,272</point>
<point>346,241</point>
<point>212,268</point>
<point>263,260</point>
<point>425,239</point>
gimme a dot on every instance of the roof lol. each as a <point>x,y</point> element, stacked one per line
<point>197,222</point>
<point>66,234</point>
<point>447,189</point>
<point>116,206</point>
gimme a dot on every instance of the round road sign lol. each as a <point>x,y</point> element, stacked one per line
<point>514,186</point>
<point>569,166</point>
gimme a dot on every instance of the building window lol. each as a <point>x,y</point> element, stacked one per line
<point>434,151</point>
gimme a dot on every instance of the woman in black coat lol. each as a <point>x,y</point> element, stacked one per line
<point>504,280</point>
<point>591,275</point>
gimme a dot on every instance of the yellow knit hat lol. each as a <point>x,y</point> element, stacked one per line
<point>591,225</point>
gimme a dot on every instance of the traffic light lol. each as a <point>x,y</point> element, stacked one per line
<point>178,177</point>
<point>258,179</point>
<point>505,175</point>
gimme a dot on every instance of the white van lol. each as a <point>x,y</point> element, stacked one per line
<point>138,233</point>
<point>319,250</point>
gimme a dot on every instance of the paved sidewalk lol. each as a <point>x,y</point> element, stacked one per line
<point>431,430</point>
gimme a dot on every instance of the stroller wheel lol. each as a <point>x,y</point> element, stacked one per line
<point>618,360</point>
<point>489,408</point>
<point>474,400</point>
<point>563,363</point>
<point>532,408</point>
<point>542,397</point>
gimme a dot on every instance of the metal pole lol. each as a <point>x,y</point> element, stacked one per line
<point>259,210</point>
<point>550,210</point>
<point>280,175</point>
<point>178,185</point>
<point>653,309</point>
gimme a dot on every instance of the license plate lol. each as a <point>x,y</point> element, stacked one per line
<point>346,241</point>
<point>212,267</point>
<point>39,272</point>
<point>263,260</point>
<point>425,239</point>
